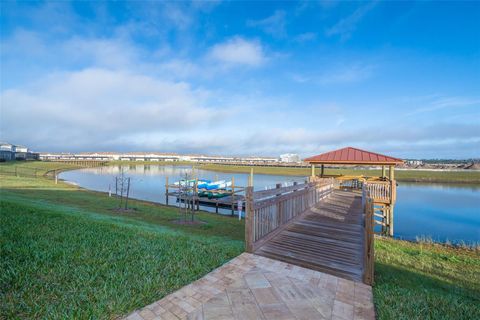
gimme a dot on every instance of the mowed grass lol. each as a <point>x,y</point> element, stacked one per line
<point>466,176</point>
<point>32,168</point>
<point>68,253</point>
<point>425,281</point>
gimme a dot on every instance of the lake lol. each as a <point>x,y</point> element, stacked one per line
<point>438,211</point>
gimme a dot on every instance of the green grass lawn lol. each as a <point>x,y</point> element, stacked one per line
<point>425,281</point>
<point>68,253</point>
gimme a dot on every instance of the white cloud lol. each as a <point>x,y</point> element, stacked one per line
<point>101,52</point>
<point>87,107</point>
<point>240,51</point>
<point>178,15</point>
<point>346,26</point>
<point>346,74</point>
<point>273,25</point>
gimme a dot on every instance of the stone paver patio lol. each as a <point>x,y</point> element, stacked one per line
<point>255,287</point>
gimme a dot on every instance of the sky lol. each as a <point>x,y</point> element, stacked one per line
<point>242,78</point>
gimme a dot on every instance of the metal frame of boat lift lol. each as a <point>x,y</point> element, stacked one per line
<point>230,201</point>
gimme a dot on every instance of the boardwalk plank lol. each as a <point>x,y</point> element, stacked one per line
<point>327,238</point>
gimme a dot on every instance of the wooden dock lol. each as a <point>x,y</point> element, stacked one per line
<point>228,202</point>
<point>327,237</point>
<point>315,225</point>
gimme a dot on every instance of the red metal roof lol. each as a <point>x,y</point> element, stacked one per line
<point>351,155</point>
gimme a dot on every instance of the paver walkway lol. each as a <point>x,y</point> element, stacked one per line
<point>255,287</point>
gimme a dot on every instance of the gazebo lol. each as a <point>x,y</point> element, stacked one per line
<point>356,157</point>
<point>381,189</point>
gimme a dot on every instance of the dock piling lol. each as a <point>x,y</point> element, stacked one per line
<point>166,190</point>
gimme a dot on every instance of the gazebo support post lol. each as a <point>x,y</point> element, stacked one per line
<point>383,172</point>
<point>322,170</point>
<point>391,173</point>
<point>313,171</point>
<point>390,226</point>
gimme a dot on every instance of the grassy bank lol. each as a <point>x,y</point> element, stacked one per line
<point>426,281</point>
<point>401,175</point>
<point>68,253</point>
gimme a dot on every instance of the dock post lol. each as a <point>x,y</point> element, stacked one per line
<point>250,179</point>
<point>233,196</point>
<point>393,196</point>
<point>391,173</point>
<point>128,193</point>
<point>390,227</point>
<point>279,206</point>
<point>166,190</point>
<point>196,199</point>
<point>249,219</point>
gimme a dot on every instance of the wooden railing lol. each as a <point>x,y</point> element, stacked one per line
<point>384,195</point>
<point>380,191</point>
<point>267,211</point>
<point>369,237</point>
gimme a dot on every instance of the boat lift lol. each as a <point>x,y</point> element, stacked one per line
<point>226,196</point>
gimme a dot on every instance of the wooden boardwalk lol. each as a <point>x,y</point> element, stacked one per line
<point>327,237</point>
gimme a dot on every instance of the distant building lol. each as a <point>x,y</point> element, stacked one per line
<point>20,152</point>
<point>6,152</point>
<point>414,162</point>
<point>289,157</point>
<point>153,156</point>
<point>10,152</point>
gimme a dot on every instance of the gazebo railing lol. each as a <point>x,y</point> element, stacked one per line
<point>380,191</point>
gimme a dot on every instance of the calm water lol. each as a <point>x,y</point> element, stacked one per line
<point>438,211</point>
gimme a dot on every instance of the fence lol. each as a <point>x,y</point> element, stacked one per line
<point>267,211</point>
<point>19,171</point>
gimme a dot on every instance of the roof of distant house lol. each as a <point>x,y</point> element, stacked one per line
<point>353,156</point>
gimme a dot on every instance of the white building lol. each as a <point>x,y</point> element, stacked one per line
<point>289,157</point>
<point>415,162</point>
<point>10,152</point>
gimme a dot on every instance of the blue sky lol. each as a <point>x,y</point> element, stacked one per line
<point>242,78</point>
